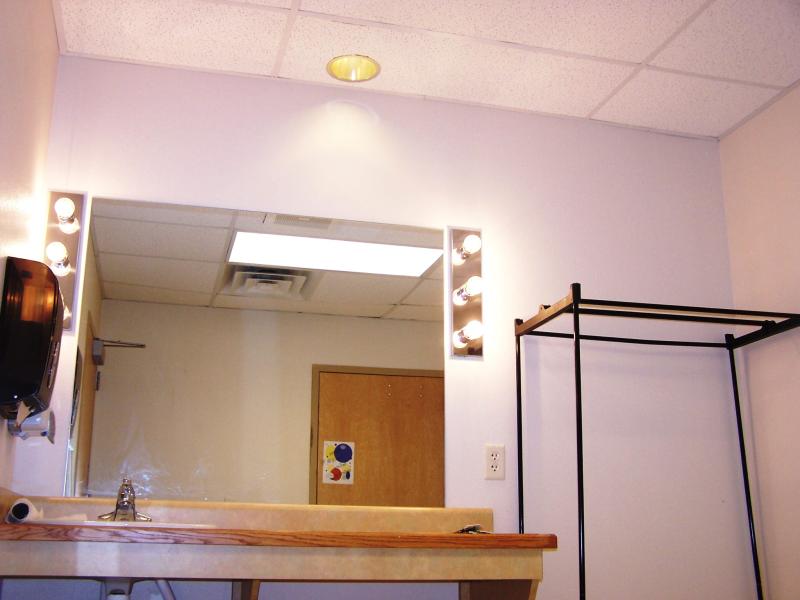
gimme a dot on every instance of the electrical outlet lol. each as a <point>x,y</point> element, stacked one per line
<point>495,461</point>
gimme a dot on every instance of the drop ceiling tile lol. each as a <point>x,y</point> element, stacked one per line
<point>682,103</point>
<point>122,291</point>
<point>273,3</point>
<point>752,40</point>
<point>429,292</point>
<point>323,308</point>
<point>142,238</point>
<point>416,313</point>
<point>625,30</point>
<point>437,271</point>
<point>449,67</point>
<point>361,288</point>
<point>192,33</point>
<point>162,213</point>
<point>168,273</point>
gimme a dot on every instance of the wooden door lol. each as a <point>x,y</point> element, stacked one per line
<point>396,425</point>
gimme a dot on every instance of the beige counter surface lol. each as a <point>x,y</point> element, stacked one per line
<point>298,543</point>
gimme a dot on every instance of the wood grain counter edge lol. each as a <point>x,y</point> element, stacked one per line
<point>252,537</point>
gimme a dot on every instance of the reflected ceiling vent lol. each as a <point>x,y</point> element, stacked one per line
<point>298,221</point>
<point>266,282</point>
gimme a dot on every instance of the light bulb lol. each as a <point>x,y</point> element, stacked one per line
<point>472,244</point>
<point>459,341</point>
<point>65,211</point>
<point>58,256</point>
<point>458,257</point>
<point>473,330</point>
<point>56,252</point>
<point>473,287</point>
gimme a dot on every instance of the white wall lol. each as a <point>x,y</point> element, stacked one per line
<point>761,183</point>
<point>218,405</point>
<point>630,214</point>
<point>28,59</point>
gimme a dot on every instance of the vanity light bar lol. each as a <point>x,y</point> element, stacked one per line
<point>331,255</point>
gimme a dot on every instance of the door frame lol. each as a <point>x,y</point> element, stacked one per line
<point>313,470</point>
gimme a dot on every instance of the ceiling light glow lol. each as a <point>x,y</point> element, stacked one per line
<point>353,68</point>
<point>331,255</point>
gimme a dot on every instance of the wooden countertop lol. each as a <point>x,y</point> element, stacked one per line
<point>251,537</point>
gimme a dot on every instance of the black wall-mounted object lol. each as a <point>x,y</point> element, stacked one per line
<point>31,322</point>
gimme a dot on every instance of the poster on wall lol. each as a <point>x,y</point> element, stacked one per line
<point>338,460</point>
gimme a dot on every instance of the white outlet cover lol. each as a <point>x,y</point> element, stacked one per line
<point>495,461</point>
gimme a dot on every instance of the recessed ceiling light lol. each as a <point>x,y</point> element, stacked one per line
<point>353,68</point>
<point>331,255</point>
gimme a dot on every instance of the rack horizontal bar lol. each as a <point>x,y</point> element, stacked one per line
<point>625,340</point>
<point>766,320</point>
<point>545,315</point>
<point>677,308</point>
<point>672,317</point>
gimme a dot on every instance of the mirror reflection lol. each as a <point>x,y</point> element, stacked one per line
<point>224,402</point>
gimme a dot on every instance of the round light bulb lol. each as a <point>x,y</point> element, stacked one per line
<point>473,330</point>
<point>59,258</point>
<point>65,209</point>
<point>459,341</point>
<point>56,252</point>
<point>474,286</point>
<point>458,257</point>
<point>472,243</point>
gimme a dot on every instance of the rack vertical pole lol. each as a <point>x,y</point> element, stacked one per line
<point>576,330</point>
<point>729,341</point>
<point>520,490</point>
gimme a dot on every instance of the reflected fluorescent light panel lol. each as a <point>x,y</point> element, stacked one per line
<point>331,255</point>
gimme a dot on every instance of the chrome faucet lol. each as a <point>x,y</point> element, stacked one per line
<point>126,505</point>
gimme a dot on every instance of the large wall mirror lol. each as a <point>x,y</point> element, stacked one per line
<point>221,402</point>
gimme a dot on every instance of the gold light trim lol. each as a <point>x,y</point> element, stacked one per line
<point>353,68</point>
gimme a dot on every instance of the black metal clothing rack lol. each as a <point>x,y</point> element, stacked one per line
<point>767,324</point>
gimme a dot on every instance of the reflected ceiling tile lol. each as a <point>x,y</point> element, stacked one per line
<point>300,306</point>
<point>624,30</point>
<point>335,287</point>
<point>437,271</point>
<point>168,273</point>
<point>449,67</point>
<point>683,103</point>
<point>429,292</point>
<point>416,313</point>
<point>274,3</point>
<point>122,291</point>
<point>193,33</point>
<point>752,40</point>
<point>156,239</point>
<point>162,213</point>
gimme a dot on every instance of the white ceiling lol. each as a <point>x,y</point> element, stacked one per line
<point>178,255</point>
<point>694,67</point>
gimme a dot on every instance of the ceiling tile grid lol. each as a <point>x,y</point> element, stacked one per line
<point>658,100</point>
<point>580,58</point>
<point>748,40</point>
<point>188,33</point>
<point>452,67</point>
<point>167,273</point>
<point>627,30</point>
<point>143,238</point>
